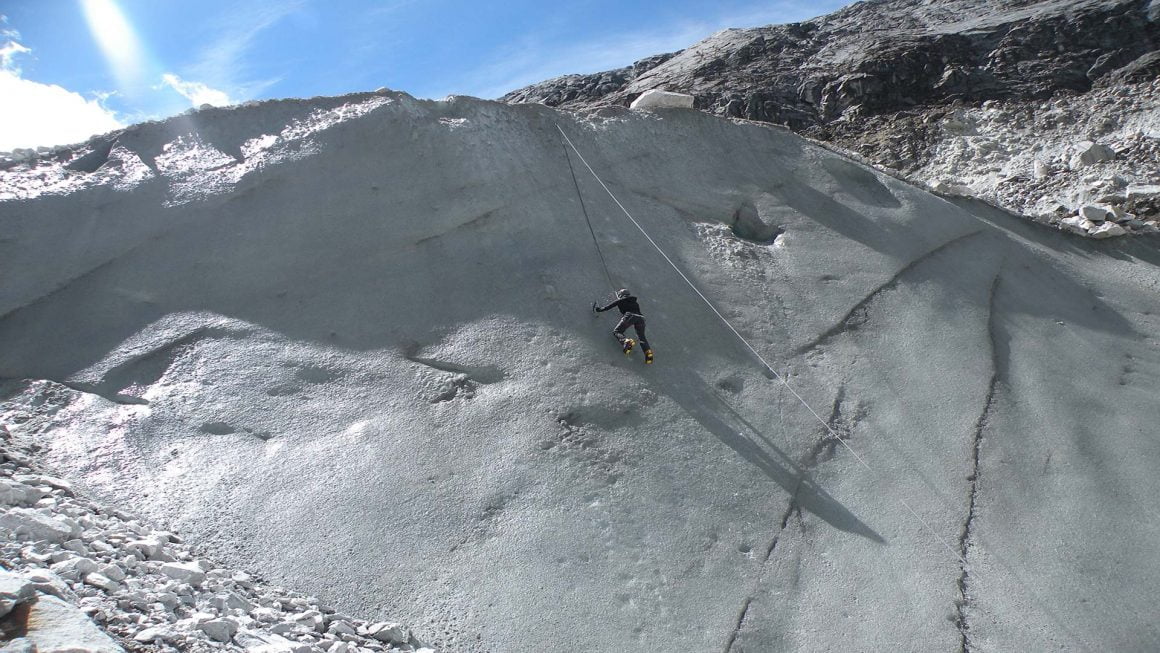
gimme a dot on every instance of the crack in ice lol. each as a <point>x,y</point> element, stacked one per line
<point>856,316</point>
<point>965,539</point>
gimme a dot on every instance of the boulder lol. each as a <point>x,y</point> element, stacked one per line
<point>49,481</point>
<point>76,546</point>
<point>959,124</point>
<point>287,628</point>
<point>1111,197</point>
<point>219,630</point>
<point>184,572</point>
<point>950,188</point>
<point>148,548</point>
<point>232,601</point>
<point>654,99</point>
<point>1075,224</point>
<point>391,633</point>
<point>266,615</point>
<point>311,620</point>
<point>19,494</point>
<point>36,558</point>
<point>46,582</point>
<point>102,582</point>
<point>1088,153</point>
<point>57,627</point>
<point>260,642</point>
<point>168,600</point>
<point>14,457</point>
<point>112,572</point>
<point>153,634</point>
<point>1094,212</point>
<point>1107,230</point>
<point>33,524</point>
<point>341,627</point>
<point>74,568</point>
<point>1143,192</point>
<point>14,590</point>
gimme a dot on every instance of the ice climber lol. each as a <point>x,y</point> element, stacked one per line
<point>630,317</point>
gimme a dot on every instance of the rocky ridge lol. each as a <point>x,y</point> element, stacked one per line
<point>1044,107</point>
<point>85,578</point>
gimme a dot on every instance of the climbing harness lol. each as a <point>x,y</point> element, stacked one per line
<point>740,337</point>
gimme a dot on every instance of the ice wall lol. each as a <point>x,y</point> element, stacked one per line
<point>346,343</point>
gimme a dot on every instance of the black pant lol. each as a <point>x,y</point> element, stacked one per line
<point>635,321</point>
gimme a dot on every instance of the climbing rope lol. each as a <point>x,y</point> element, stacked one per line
<point>740,337</point>
<point>595,242</point>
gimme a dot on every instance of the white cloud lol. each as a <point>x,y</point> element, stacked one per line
<point>224,64</point>
<point>7,32</point>
<point>34,114</point>
<point>196,92</point>
<point>8,53</point>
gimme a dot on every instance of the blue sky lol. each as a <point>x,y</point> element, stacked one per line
<point>72,68</point>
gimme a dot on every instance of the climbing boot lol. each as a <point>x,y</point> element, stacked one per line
<point>627,346</point>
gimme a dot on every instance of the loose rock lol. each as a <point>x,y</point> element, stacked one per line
<point>185,572</point>
<point>219,630</point>
<point>1108,230</point>
<point>1088,153</point>
<point>32,524</point>
<point>1095,213</point>
<point>56,626</point>
<point>14,590</point>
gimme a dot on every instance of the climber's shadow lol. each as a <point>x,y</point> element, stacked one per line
<point>722,420</point>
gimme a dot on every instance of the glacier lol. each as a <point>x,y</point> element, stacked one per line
<point>346,343</point>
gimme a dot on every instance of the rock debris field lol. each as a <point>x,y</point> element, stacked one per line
<point>1088,164</point>
<point>84,578</point>
<point>344,346</point>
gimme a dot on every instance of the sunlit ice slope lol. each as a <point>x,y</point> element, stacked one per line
<point>347,343</point>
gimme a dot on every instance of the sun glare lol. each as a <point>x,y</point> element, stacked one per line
<point>117,40</point>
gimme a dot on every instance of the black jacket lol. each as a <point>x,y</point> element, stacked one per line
<point>626,305</point>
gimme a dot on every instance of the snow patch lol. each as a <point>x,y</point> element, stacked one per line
<point>656,99</point>
<point>192,168</point>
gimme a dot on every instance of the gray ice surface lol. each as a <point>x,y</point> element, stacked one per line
<point>349,347</point>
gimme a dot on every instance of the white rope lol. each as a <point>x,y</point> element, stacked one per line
<point>769,367</point>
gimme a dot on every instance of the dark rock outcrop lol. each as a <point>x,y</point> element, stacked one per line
<point>908,84</point>
<point>885,56</point>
